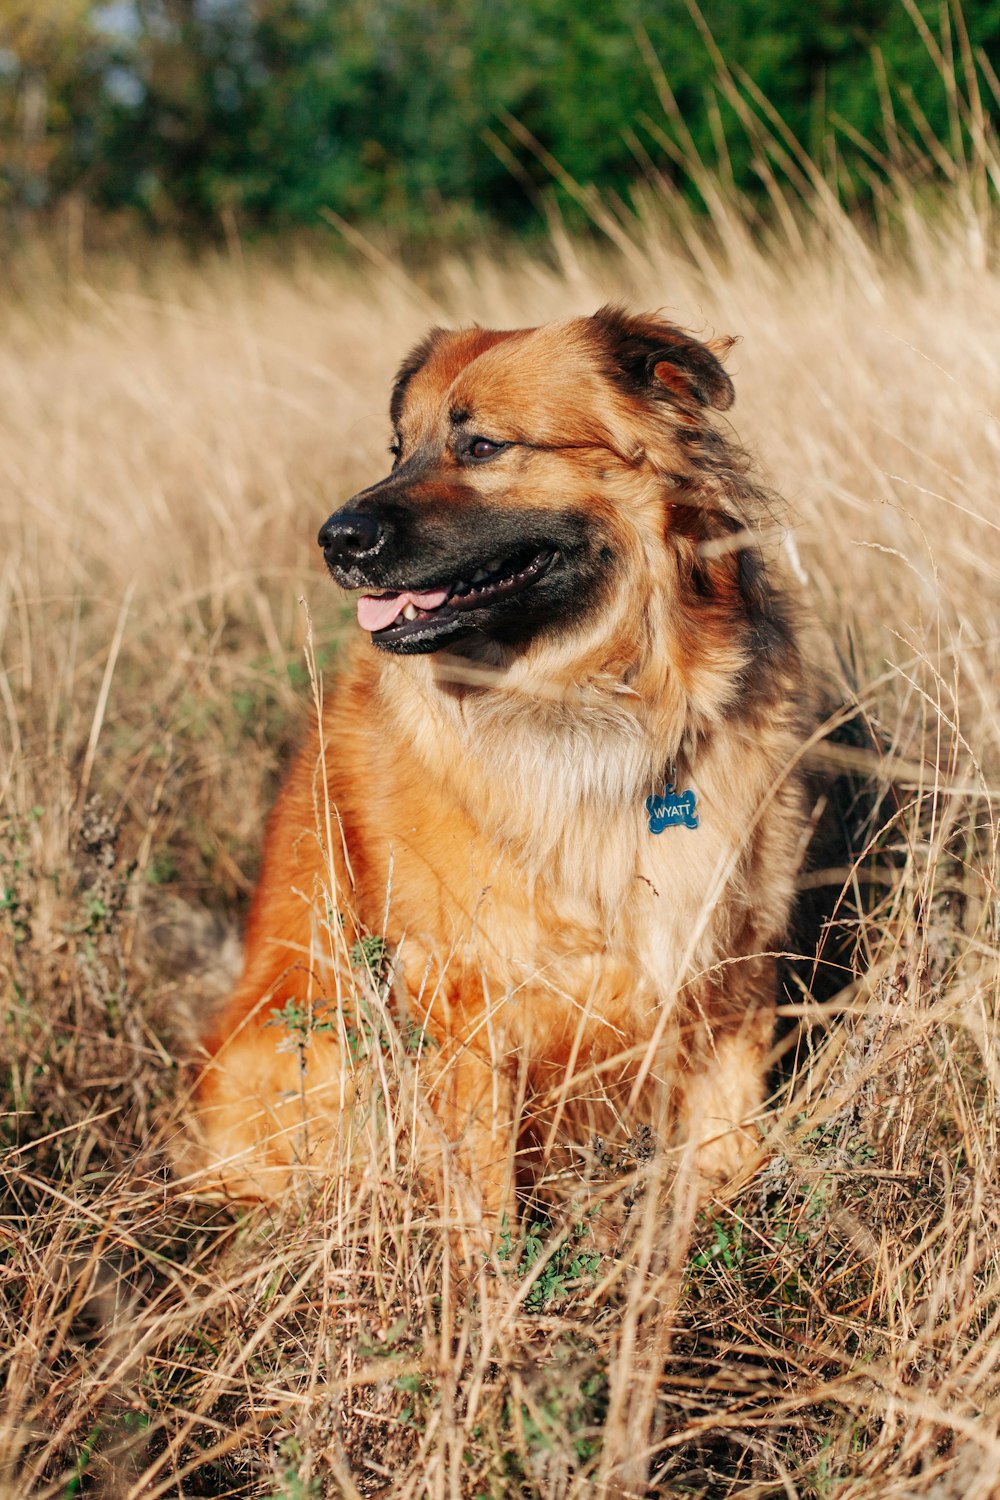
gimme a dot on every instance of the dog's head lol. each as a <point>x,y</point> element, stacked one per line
<point>529,466</point>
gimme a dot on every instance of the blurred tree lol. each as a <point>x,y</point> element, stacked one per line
<point>52,66</point>
<point>386,109</point>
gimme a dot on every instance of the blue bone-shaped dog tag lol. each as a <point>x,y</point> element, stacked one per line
<point>671,810</point>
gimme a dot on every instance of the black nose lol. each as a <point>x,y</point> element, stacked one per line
<point>349,536</point>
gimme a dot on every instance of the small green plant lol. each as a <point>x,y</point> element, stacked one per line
<point>727,1248</point>
<point>16,910</point>
<point>573,1262</point>
<point>301,1019</point>
<point>370,954</point>
<point>291,1486</point>
<point>162,868</point>
<point>15,879</point>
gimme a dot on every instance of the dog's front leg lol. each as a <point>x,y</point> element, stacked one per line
<point>473,1101</point>
<point>722,1093</point>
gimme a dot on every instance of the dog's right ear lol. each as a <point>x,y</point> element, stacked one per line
<point>654,358</point>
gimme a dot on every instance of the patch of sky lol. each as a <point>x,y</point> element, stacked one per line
<point>123,87</point>
<point>117,19</point>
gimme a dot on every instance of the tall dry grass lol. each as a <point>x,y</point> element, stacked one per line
<point>170,438</point>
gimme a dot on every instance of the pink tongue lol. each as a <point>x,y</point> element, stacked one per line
<point>376,612</point>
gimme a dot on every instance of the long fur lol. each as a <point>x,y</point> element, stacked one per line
<point>483,808</point>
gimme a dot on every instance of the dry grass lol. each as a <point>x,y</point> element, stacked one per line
<point>170,439</point>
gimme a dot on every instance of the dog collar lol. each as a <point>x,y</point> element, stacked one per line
<point>672,809</point>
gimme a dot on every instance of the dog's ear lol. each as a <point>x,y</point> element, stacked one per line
<point>652,357</point>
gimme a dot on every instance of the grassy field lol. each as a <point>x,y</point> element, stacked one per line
<point>171,437</point>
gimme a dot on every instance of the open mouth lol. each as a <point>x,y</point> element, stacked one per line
<point>415,614</point>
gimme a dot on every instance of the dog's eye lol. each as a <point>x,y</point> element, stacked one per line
<point>481,447</point>
<point>395,449</point>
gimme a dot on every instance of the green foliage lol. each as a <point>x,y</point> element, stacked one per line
<point>565,1414</point>
<point>290,1485</point>
<point>370,954</point>
<point>302,1020</point>
<point>401,111</point>
<point>574,1262</point>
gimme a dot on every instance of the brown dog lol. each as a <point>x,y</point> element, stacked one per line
<point>557,776</point>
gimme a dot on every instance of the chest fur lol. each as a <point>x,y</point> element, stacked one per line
<point>602,935</point>
<point>557,899</point>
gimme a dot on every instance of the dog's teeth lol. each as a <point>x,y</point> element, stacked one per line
<point>461,588</point>
<point>479,575</point>
<point>494,565</point>
<point>410,612</point>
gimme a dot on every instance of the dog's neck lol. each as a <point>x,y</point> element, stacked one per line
<point>534,760</point>
<point>567,734</point>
